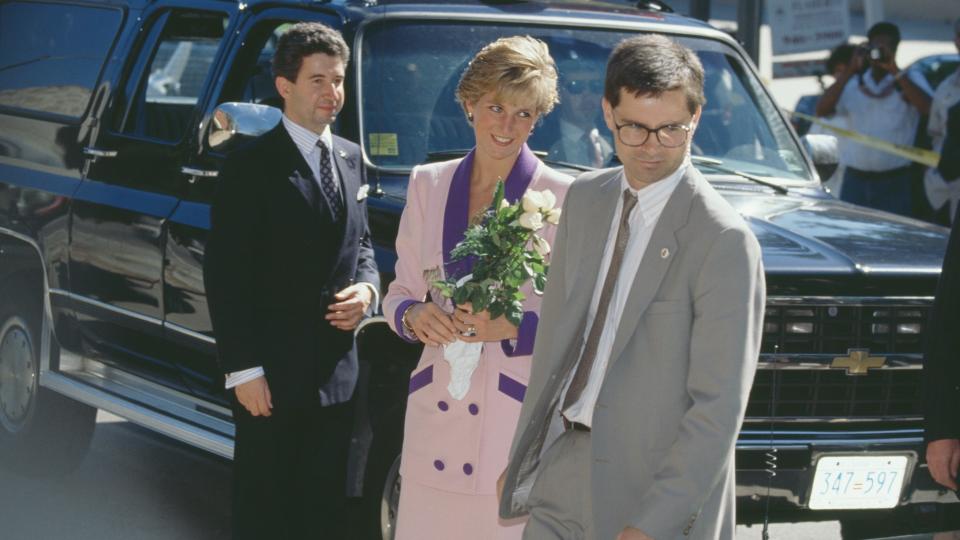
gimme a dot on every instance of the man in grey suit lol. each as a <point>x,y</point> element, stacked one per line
<point>649,332</point>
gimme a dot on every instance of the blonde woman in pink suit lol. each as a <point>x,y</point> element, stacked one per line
<point>454,449</point>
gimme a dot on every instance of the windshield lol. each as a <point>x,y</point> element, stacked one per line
<point>410,115</point>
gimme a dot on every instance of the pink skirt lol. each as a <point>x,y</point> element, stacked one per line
<point>428,513</point>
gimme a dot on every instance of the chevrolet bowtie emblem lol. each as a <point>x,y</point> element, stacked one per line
<point>858,361</point>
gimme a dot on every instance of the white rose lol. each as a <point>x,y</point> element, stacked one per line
<point>531,220</point>
<point>504,204</point>
<point>541,246</point>
<point>549,200</point>
<point>532,201</point>
<point>553,216</point>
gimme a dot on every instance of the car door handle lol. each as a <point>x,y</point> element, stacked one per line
<point>197,173</point>
<point>99,152</point>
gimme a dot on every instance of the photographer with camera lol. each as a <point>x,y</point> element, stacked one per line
<point>880,101</point>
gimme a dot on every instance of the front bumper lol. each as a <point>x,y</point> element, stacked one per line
<point>797,451</point>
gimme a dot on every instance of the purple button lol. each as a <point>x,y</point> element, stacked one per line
<point>474,410</point>
<point>467,469</point>
<point>438,465</point>
<point>442,405</point>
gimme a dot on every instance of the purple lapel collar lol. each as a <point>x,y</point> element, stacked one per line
<point>455,216</point>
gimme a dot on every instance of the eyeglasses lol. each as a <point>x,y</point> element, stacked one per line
<point>669,136</point>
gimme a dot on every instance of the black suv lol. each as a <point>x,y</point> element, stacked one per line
<point>115,116</point>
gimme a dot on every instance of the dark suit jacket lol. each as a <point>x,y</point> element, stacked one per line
<point>274,259</point>
<point>949,165</point>
<point>941,369</point>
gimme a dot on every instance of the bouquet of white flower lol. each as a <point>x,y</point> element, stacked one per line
<point>507,253</point>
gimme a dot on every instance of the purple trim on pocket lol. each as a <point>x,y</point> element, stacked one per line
<point>398,321</point>
<point>421,379</point>
<point>512,387</point>
<point>526,334</point>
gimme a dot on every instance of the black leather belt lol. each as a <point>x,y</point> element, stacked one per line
<point>575,426</point>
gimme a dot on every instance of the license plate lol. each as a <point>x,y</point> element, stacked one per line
<point>857,482</point>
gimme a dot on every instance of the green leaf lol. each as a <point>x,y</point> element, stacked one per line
<point>461,295</point>
<point>515,316</point>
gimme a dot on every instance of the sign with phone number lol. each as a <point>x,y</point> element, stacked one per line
<point>844,482</point>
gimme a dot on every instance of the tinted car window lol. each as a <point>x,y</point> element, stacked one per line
<point>172,85</point>
<point>410,114</point>
<point>51,55</point>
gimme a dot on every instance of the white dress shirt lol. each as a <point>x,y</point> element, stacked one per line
<point>650,203</point>
<point>890,118</point>
<point>939,191</point>
<point>306,142</point>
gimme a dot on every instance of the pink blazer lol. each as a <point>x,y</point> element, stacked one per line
<point>459,446</point>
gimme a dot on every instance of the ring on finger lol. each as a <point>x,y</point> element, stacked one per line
<point>470,331</point>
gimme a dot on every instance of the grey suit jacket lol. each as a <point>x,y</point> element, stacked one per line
<point>673,398</point>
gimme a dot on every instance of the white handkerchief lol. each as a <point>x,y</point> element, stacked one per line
<point>363,191</point>
<point>463,358</point>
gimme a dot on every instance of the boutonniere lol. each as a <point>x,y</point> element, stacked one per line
<point>363,192</point>
<point>349,160</point>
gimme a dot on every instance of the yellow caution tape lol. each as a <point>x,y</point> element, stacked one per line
<point>920,155</point>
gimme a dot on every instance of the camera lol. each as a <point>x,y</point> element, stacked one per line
<point>873,53</point>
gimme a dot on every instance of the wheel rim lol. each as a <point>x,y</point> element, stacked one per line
<point>17,374</point>
<point>390,501</point>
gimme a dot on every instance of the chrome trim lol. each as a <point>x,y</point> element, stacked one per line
<point>557,20</point>
<point>777,442</point>
<point>98,152</point>
<point>788,363</point>
<point>137,414</point>
<point>184,401</point>
<point>108,307</point>
<point>376,319</point>
<point>849,300</point>
<point>158,408</point>
<point>189,333</point>
<point>200,173</point>
<point>831,419</point>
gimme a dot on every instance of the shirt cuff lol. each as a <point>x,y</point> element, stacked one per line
<point>526,334</point>
<point>375,301</point>
<point>398,321</point>
<point>237,378</point>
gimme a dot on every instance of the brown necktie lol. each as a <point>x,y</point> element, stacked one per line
<point>580,376</point>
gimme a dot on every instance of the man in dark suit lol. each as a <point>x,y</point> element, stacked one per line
<point>941,369</point>
<point>289,273</point>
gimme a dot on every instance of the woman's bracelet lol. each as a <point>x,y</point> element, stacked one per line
<point>406,322</point>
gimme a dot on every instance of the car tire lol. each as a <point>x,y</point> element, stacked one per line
<point>390,501</point>
<point>41,432</point>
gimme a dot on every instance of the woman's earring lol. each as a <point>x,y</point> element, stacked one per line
<point>470,116</point>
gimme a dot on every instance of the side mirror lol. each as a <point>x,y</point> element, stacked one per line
<point>235,122</point>
<point>823,151</point>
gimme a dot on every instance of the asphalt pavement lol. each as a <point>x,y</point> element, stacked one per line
<point>135,484</point>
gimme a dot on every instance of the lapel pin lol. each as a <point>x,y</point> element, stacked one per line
<point>363,191</point>
<point>664,253</point>
<point>342,153</point>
